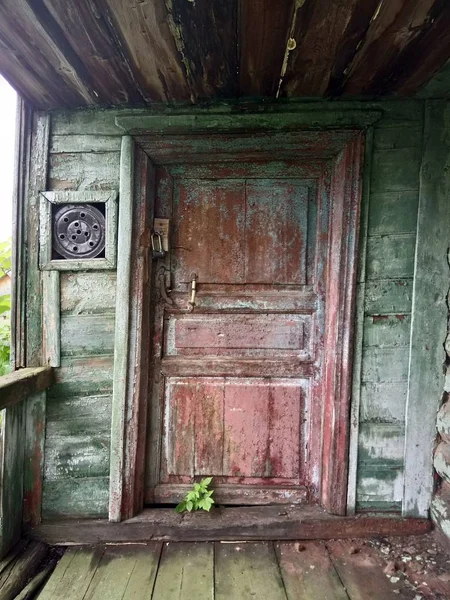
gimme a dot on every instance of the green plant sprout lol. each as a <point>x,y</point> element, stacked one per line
<point>199,498</point>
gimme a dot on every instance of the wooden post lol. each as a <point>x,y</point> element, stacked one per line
<point>121,340</point>
<point>429,311</point>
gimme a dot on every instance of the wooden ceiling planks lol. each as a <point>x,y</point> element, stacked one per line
<point>81,30</point>
<point>143,29</point>
<point>395,24</point>
<point>263,32</point>
<point>321,29</point>
<point>20,31</point>
<point>206,35</point>
<point>74,53</point>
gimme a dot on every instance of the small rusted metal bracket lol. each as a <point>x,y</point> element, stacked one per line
<point>168,301</point>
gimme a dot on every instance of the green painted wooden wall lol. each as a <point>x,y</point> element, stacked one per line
<point>84,155</point>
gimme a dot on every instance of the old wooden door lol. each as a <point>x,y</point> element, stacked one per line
<point>234,380</point>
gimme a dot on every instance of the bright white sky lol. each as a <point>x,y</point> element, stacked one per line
<point>7,144</point>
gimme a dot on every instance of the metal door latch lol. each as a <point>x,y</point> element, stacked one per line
<point>193,291</point>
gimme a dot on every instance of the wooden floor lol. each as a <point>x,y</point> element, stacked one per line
<point>332,570</point>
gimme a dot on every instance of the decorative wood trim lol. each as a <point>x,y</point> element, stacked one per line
<point>338,353</point>
<point>52,318</point>
<point>17,386</point>
<point>308,118</point>
<point>139,331</point>
<point>429,311</point>
<point>108,198</point>
<point>223,524</point>
<point>359,325</point>
<point>122,332</point>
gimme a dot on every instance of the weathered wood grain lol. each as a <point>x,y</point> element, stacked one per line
<point>393,212</point>
<point>88,293</point>
<point>87,335</point>
<point>244,523</point>
<point>387,331</point>
<point>308,572</point>
<point>429,312</point>
<point>186,571</point>
<point>396,170</point>
<point>51,320</point>
<point>391,257</point>
<point>24,567</point>
<point>247,570</point>
<point>383,401</point>
<point>387,297</point>
<point>83,171</point>
<point>67,498</point>
<point>122,331</point>
<point>17,386</point>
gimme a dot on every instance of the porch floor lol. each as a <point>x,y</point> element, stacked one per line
<point>313,570</point>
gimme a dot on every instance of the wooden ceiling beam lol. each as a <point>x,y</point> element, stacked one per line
<point>395,25</point>
<point>205,32</point>
<point>263,32</point>
<point>145,37</point>
<point>322,30</point>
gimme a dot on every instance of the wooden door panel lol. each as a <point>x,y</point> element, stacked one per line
<point>255,335</point>
<point>238,429</point>
<point>276,231</point>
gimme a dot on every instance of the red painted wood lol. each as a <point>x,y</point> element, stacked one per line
<point>252,387</point>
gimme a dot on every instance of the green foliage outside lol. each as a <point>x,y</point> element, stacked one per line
<point>5,309</point>
<point>200,498</point>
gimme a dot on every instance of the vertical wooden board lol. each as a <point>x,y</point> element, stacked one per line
<point>73,575</point>
<point>390,257</point>
<point>186,572</point>
<point>361,573</point>
<point>246,428</point>
<point>122,333</point>
<point>209,231</point>
<point>51,318</point>
<point>35,432</point>
<point>12,454</point>
<point>247,570</point>
<point>209,425</point>
<point>276,232</point>
<point>308,572</point>
<point>287,413</point>
<point>429,311</point>
<point>180,408</point>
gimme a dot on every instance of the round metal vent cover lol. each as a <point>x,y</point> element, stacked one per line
<point>78,231</point>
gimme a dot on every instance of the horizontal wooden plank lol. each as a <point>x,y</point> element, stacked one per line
<point>77,426</point>
<point>83,376</point>
<point>84,171</point>
<point>404,135</point>
<point>62,144</point>
<point>222,524</point>
<point>103,122</point>
<point>87,335</point>
<point>85,408</point>
<point>390,257</point>
<point>76,456</point>
<point>395,170</point>
<point>76,498</point>
<point>17,386</point>
<point>387,297</point>
<point>393,212</point>
<point>88,293</point>
<point>379,484</point>
<point>385,364</point>
<point>383,401</point>
<point>223,367</point>
<point>381,444</point>
<point>386,331</point>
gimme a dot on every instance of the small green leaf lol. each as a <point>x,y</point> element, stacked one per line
<point>205,482</point>
<point>197,487</point>
<point>180,507</point>
<point>189,506</point>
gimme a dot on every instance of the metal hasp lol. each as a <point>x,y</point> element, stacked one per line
<point>79,231</point>
<point>194,278</point>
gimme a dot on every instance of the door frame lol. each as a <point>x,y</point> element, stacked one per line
<point>159,138</point>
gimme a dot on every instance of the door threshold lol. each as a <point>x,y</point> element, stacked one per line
<point>227,524</point>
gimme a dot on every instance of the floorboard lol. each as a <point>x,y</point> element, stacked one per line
<point>247,570</point>
<point>71,579</point>
<point>362,574</point>
<point>308,572</point>
<point>186,572</point>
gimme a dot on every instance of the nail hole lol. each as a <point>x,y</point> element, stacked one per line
<point>78,231</point>
<point>95,226</point>
<point>76,224</point>
<point>86,233</point>
<point>75,249</point>
<point>74,237</point>
<point>91,244</point>
<point>66,220</point>
<point>82,215</point>
<point>62,236</point>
